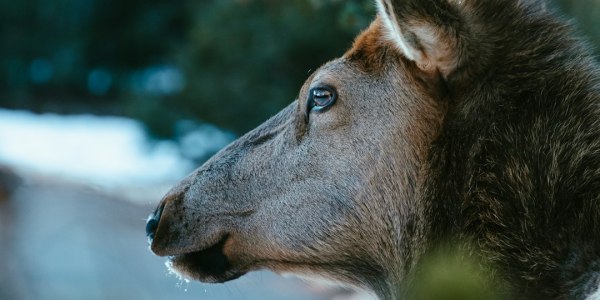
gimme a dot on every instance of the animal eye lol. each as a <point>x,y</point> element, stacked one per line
<point>321,98</point>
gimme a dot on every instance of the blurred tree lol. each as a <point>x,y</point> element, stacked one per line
<point>77,55</point>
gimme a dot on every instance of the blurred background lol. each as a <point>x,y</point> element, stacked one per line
<point>104,104</point>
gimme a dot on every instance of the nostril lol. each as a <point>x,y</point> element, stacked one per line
<point>152,223</point>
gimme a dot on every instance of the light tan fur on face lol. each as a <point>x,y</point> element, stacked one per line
<point>444,132</point>
<point>359,162</point>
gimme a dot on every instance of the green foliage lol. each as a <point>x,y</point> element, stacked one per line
<point>49,48</point>
<point>451,274</point>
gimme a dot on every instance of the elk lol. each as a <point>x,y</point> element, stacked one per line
<point>474,123</point>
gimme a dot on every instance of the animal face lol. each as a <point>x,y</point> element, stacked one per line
<point>428,129</point>
<point>294,194</point>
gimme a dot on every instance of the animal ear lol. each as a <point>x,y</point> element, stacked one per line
<point>425,31</point>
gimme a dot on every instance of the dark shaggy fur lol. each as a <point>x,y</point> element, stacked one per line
<point>470,123</point>
<point>516,167</point>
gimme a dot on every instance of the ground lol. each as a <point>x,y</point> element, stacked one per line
<point>67,241</point>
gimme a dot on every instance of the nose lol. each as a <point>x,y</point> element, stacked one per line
<point>152,223</point>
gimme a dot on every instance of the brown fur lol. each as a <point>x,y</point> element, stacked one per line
<point>470,122</point>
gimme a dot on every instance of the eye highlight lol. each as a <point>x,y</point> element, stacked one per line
<point>320,98</point>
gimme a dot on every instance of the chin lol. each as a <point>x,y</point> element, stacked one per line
<point>210,265</point>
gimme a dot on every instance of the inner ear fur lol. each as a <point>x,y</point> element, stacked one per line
<point>425,31</point>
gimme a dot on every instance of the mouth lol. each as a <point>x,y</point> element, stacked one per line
<point>210,265</point>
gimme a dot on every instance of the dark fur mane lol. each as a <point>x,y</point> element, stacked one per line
<point>516,168</point>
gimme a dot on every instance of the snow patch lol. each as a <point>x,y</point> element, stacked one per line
<point>102,151</point>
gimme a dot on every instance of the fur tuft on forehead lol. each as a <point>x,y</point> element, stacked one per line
<point>370,48</point>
